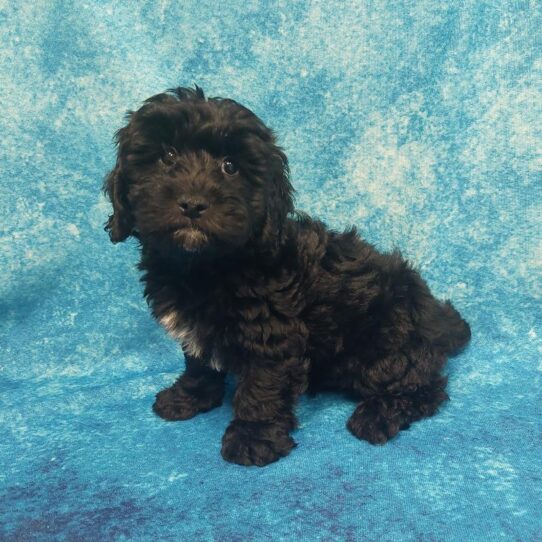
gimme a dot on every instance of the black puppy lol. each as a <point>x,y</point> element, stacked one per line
<point>251,287</point>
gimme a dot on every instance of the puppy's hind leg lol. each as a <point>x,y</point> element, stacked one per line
<point>380,417</point>
<point>396,392</point>
<point>198,389</point>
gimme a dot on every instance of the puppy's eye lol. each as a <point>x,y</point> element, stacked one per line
<point>170,155</point>
<point>229,167</point>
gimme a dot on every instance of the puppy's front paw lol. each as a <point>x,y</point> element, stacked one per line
<point>256,443</point>
<point>174,404</point>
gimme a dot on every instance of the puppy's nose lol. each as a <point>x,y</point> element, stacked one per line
<point>192,206</point>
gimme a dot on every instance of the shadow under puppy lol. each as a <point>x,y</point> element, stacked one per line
<point>249,286</point>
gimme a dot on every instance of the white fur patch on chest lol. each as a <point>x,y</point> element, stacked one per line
<point>188,335</point>
<point>183,332</point>
<point>215,362</point>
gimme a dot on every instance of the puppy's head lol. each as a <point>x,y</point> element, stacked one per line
<point>197,174</point>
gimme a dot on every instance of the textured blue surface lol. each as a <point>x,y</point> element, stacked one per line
<point>420,121</point>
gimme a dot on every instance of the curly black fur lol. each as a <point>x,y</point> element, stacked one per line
<point>251,287</point>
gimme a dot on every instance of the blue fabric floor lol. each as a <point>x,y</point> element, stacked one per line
<point>419,121</point>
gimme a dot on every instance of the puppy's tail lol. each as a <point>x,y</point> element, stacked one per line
<point>442,327</point>
<point>455,331</point>
<point>440,324</point>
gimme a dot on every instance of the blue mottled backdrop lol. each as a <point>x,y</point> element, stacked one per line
<point>419,121</point>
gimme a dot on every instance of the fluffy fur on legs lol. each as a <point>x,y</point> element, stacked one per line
<point>380,417</point>
<point>199,389</point>
<point>251,287</point>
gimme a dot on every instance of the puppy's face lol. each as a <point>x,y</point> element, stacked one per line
<point>197,174</point>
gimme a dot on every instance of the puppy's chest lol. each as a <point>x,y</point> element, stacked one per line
<point>222,325</point>
<point>197,336</point>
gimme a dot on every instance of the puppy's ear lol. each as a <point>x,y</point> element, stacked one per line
<point>120,223</point>
<point>279,196</point>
